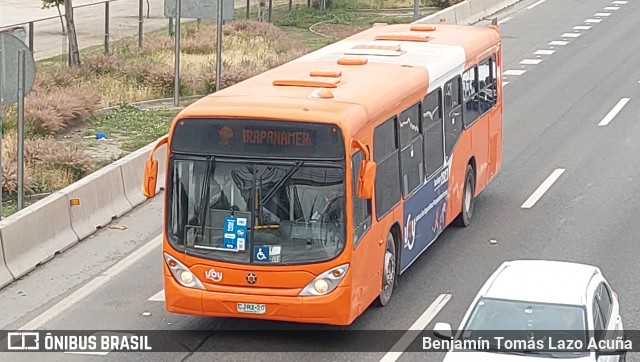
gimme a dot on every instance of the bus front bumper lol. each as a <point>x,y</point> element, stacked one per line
<point>333,308</point>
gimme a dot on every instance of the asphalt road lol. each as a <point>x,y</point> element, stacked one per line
<point>552,117</point>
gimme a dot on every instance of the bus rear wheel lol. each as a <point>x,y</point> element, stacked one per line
<point>468,199</point>
<point>388,272</point>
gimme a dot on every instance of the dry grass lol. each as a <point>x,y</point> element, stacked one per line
<point>49,164</point>
<point>64,99</point>
<point>132,74</point>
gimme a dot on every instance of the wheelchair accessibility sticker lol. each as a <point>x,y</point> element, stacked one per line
<point>266,254</point>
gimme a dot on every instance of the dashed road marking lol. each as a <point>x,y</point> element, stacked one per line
<point>544,52</point>
<point>582,27</point>
<point>535,4</point>
<point>416,328</point>
<point>571,35</point>
<point>158,297</point>
<point>602,14</point>
<point>558,42</point>
<point>514,72</point>
<point>593,20</point>
<point>613,112</point>
<point>530,61</point>
<point>539,192</point>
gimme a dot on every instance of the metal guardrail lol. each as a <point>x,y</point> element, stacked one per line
<point>31,24</point>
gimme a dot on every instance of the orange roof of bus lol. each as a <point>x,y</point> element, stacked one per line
<point>363,90</point>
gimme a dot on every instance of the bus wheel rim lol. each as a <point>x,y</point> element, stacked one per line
<point>467,198</point>
<point>388,269</point>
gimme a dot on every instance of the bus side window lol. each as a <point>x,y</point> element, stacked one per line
<point>470,96</point>
<point>486,96</point>
<point>433,131</point>
<point>385,154</point>
<point>452,114</point>
<point>361,207</point>
<point>411,154</point>
<point>494,77</point>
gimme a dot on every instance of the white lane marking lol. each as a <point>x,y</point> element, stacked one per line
<point>539,192</point>
<point>602,14</point>
<point>505,83</point>
<point>582,27</point>
<point>612,8</point>
<point>416,328</point>
<point>514,72</point>
<point>620,2</point>
<point>530,61</point>
<point>613,112</point>
<point>93,285</point>
<point>558,42</point>
<point>504,20</point>
<point>593,20</point>
<point>158,297</point>
<point>544,52</point>
<point>571,35</point>
<point>535,4</point>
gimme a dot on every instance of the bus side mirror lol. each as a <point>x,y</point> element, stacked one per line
<point>150,178</point>
<point>366,179</point>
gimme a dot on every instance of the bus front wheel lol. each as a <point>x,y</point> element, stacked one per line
<point>388,272</point>
<point>468,199</point>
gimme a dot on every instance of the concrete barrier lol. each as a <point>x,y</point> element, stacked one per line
<point>477,11</point>
<point>132,168</point>
<point>463,12</point>
<point>101,198</point>
<point>466,12</point>
<point>5,276</point>
<point>35,234</point>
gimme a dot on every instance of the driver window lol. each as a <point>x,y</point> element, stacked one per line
<point>361,208</point>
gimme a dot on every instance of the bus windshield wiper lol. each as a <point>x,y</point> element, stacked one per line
<point>204,196</point>
<point>281,182</point>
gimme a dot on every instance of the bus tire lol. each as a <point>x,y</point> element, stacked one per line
<point>388,272</point>
<point>468,199</point>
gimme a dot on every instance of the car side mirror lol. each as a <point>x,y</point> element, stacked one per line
<point>443,330</point>
<point>150,178</point>
<point>366,179</point>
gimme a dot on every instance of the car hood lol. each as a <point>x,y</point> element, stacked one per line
<point>501,357</point>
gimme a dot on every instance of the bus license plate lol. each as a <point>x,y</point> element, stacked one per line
<point>252,308</point>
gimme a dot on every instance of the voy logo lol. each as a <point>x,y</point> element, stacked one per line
<point>409,232</point>
<point>214,275</point>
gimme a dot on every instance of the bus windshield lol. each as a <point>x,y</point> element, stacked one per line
<point>257,212</point>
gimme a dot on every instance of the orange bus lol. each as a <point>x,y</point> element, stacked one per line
<point>301,194</point>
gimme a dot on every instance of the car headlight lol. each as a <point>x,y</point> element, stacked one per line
<point>181,273</point>
<point>326,282</point>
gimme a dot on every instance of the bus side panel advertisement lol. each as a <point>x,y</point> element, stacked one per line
<point>424,217</point>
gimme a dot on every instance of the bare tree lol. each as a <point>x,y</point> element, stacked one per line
<point>47,4</point>
<point>74,52</point>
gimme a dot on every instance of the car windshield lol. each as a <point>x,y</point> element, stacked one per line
<point>244,212</point>
<point>522,321</point>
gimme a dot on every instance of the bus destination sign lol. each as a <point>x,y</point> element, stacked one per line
<point>257,138</point>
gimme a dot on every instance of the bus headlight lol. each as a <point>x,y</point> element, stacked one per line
<point>326,282</point>
<point>181,273</point>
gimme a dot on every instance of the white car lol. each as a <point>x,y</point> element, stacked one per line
<point>543,309</point>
